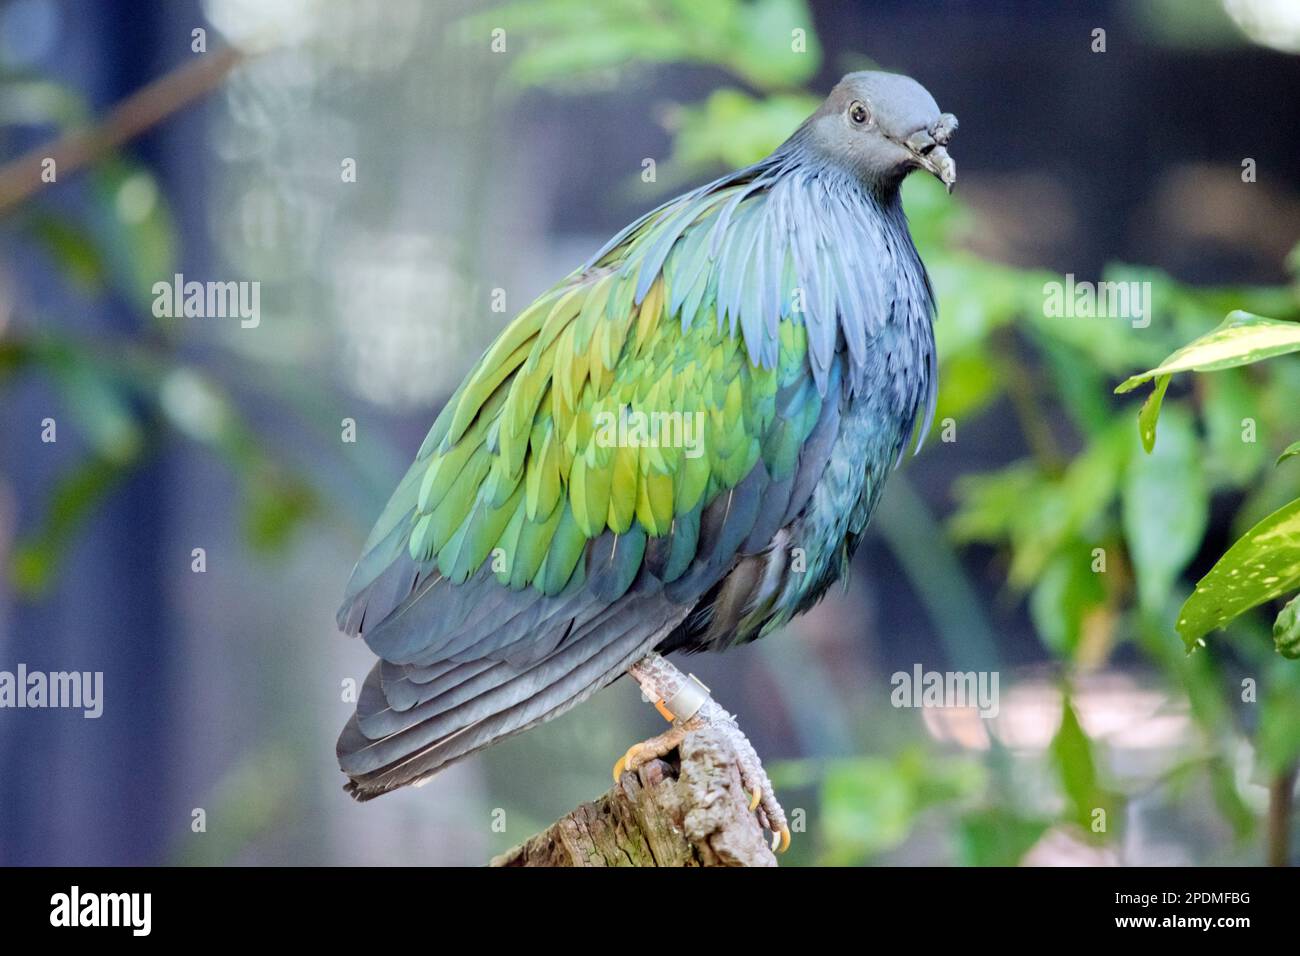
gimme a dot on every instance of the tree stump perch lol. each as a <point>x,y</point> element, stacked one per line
<point>692,811</point>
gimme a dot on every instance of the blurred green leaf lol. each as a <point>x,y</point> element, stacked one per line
<point>251,797</point>
<point>1064,595</point>
<point>968,383</point>
<point>37,102</point>
<point>1039,514</point>
<point>563,43</point>
<point>1072,753</point>
<point>732,129</point>
<point>276,504</point>
<point>1229,404</point>
<point>100,406</point>
<point>134,228</point>
<point>74,497</point>
<point>1277,745</point>
<point>195,407</point>
<point>95,392</point>
<point>1228,796</point>
<point>1165,509</point>
<point>766,33</point>
<point>937,223</point>
<point>1201,678</point>
<point>71,248</point>
<point>561,61</point>
<point>1080,386</point>
<point>1292,450</point>
<point>990,504</point>
<point>870,804</point>
<point>997,837</point>
<point>1108,345</point>
<point>275,500</point>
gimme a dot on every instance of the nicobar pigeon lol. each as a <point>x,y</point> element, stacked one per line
<point>527,560</point>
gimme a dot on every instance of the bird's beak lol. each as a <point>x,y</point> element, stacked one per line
<point>943,166</point>
<point>930,147</point>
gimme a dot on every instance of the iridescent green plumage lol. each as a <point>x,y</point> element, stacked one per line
<point>516,461</point>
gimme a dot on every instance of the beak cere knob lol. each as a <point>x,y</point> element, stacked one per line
<point>943,165</point>
<point>944,129</point>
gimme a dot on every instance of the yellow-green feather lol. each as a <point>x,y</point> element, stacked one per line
<point>525,460</point>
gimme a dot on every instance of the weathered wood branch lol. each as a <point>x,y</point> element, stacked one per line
<point>691,811</point>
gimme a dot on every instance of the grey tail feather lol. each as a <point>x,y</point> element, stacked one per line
<point>582,665</point>
<point>414,769</point>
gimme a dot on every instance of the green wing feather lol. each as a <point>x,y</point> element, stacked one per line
<point>523,463</point>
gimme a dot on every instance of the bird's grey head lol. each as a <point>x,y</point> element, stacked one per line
<point>881,126</point>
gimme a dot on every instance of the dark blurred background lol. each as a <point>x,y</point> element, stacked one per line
<point>477,171</point>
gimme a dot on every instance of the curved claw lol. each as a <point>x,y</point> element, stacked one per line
<point>621,766</point>
<point>753,802</point>
<point>781,840</point>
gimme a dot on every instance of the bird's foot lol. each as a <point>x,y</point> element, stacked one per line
<point>638,755</point>
<point>685,702</point>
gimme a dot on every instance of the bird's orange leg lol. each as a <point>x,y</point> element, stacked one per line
<point>686,703</point>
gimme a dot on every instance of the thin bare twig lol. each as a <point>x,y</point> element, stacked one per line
<point>148,106</point>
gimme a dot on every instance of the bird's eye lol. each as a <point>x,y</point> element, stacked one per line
<point>858,112</point>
